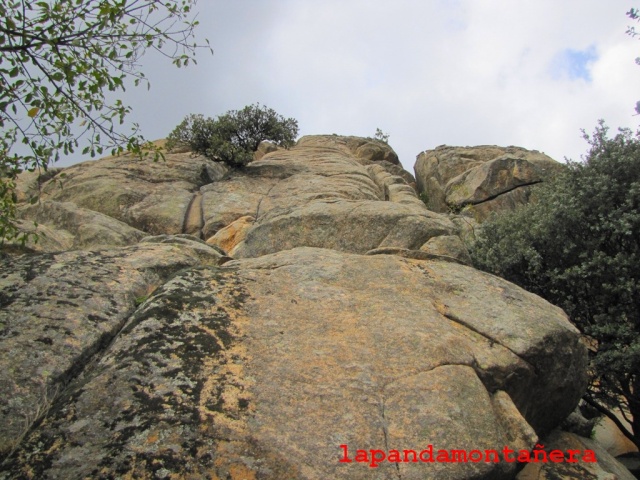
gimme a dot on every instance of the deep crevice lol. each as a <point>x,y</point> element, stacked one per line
<point>261,199</point>
<point>493,197</point>
<point>197,197</point>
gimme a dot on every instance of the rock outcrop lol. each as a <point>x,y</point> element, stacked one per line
<point>284,316</point>
<point>480,179</point>
<point>154,197</point>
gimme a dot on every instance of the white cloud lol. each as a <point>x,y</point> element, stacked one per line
<point>430,72</point>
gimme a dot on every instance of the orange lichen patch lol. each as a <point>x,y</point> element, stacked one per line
<point>441,307</point>
<point>153,437</point>
<point>240,472</point>
<point>225,399</point>
<point>227,465</point>
<point>233,234</point>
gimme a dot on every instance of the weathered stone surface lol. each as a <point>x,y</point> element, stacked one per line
<point>230,236</point>
<point>366,149</point>
<point>415,254</point>
<point>478,178</point>
<point>226,201</point>
<point>491,179</point>
<point>28,184</point>
<point>343,225</point>
<point>263,367</point>
<point>502,203</point>
<point>285,191</point>
<point>65,226</point>
<point>605,467</point>
<point>449,245</point>
<point>607,434</point>
<point>578,424</point>
<point>394,170</point>
<point>318,194</point>
<point>58,310</point>
<point>151,196</point>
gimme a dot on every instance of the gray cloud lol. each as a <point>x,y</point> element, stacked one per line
<point>427,72</point>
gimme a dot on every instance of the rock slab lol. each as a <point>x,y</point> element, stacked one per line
<point>263,367</point>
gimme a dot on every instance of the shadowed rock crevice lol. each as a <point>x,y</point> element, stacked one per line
<point>266,195</point>
<point>490,198</point>
<point>194,217</point>
<point>446,312</point>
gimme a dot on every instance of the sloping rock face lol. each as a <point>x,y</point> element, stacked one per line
<point>320,194</point>
<point>151,197</point>
<point>327,320</point>
<point>483,179</point>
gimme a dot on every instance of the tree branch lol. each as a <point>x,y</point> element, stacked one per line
<point>613,418</point>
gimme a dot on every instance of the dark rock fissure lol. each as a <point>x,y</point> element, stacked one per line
<point>493,197</point>
<point>187,213</point>
<point>385,433</point>
<point>266,195</point>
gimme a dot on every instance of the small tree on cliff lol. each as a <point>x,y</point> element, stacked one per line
<point>235,136</point>
<point>58,58</point>
<point>578,246</point>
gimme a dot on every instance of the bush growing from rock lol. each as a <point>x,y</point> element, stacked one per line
<point>380,135</point>
<point>235,136</point>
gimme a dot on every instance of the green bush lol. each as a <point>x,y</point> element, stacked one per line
<point>578,246</point>
<point>235,136</point>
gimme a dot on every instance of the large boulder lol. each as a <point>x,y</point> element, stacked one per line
<point>278,366</point>
<point>154,197</point>
<point>482,179</point>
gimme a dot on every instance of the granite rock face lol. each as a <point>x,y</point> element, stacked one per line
<point>265,366</point>
<point>319,194</point>
<point>481,179</point>
<point>153,197</point>
<point>282,314</point>
<point>59,310</point>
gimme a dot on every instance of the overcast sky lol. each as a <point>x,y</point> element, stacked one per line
<point>531,73</point>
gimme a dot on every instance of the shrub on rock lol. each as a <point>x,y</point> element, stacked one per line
<point>234,136</point>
